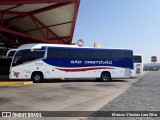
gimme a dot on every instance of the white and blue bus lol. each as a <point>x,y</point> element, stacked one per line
<point>51,61</point>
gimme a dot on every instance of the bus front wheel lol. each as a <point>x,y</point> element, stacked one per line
<point>37,77</point>
<point>105,76</point>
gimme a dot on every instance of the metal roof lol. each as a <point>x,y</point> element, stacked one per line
<point>30,21</point>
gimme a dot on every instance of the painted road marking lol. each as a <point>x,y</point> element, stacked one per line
<point>2,83</point>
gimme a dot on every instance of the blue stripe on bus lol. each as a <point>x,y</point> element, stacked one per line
<point>73,63</point>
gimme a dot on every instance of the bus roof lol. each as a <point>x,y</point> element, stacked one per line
<point>138,55</point>
<point>40,45</point>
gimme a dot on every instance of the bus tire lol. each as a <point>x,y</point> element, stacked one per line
<point>37,77</point>
<point>105,76</point>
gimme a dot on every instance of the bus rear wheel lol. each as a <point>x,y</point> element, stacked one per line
<point>105,76</point>
<point>37,77</point>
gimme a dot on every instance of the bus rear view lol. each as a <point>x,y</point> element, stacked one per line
<point>138,65</point>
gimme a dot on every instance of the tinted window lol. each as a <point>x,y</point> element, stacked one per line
<point>26,56</point>
<point>101,54</point>
<point>32,55</point>
<point>118,54</point>
<point>128,54</point>
<point>74,53</point>
<point>58,53</point>
<point>137,59</point>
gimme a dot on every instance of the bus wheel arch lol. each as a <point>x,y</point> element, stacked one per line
<point>37,76</point>
<point>105,76</point>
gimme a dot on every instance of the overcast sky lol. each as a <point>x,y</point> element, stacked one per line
<point>133,24</point>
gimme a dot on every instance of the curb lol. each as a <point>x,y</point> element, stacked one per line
<point>6,83</point>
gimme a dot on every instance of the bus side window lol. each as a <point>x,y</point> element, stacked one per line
<point>78,53</point>
<point>118,54</point>
<point>101,54</point>
<point>128,55</point>
<point>57,53</point>
<point>32,55</point>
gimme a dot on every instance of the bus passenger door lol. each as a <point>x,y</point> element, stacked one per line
<point>20,72</point>
<point>16,70</point>
<point>137,69</point>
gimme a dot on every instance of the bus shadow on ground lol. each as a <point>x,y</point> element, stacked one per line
<point>80,80</point>
<point>63,81</point>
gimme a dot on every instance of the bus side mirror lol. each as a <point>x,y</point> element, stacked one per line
<point>12,50</point>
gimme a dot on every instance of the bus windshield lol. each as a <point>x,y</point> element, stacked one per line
<point>23,56</point>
